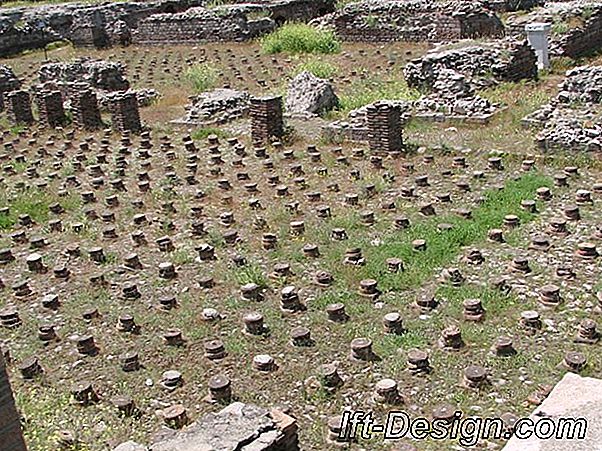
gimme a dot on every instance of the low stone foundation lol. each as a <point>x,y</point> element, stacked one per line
<point>573,119</point>
<point>355,128</point>
<point>219,106</point>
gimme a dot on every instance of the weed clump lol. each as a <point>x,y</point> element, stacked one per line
<point>320,69</point>
<point>201,77</point>
<point>297,38</point>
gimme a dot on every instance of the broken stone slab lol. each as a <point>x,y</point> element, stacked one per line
<point>308,94</point>
<point>573,397</point>
<point>216,107</point>
<point>237,427</point>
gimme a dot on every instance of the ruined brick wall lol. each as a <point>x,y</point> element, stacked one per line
<point>84,24</point>
<point>584,40</point>
<point>226,23</point>
<point>199,25</point>
<point>413,21</point>
<point>521,63</point>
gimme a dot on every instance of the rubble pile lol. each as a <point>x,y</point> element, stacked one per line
<point>236,427</point>
<point>573,119</point>
<point>453,97</point>
<point>105,75</point>
<point>216,107</point>
<point>483,64</point>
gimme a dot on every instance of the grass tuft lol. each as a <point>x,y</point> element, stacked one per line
<point>201,77</point>
<point>319,68</point>
<point>372,89</point>
<point>297,38</point>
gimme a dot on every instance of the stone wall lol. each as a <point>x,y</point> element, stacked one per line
<point>8,82</point>
<point>583,40</point>
<point>226,23</point>
<point>26,28</point>
<point>413,21</point>
<point>200,25</point>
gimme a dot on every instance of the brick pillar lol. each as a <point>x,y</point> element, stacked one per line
<point>266,119</point>
<point>84,106</point>
<point>50,108</point>
<point>124,113</point>
<point>19,107</point>
<point>384,128</point>
<point>11,435</point>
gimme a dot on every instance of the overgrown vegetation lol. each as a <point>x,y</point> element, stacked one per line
<point>201,77</point>
<point>295,38</point>
<point>319,68</point>
<point>372,89</point>
<point>443,247</point>
<point>31,202</point>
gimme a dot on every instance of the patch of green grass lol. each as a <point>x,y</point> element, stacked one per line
<point>372,89</point>
<point>32,202</point>
<point>560,27</point>
<point>443,247</point>
<point>202,133</point>
<point>201,77</point>
<point>588,11</point>
<point>319,68</point>
<point>295,38</point>
<point>250,273</point>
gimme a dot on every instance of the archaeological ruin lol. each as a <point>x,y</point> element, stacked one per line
<point>236,225</point>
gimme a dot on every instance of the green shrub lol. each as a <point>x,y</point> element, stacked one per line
<point>300,38</point>
<point>321,69</point>
<point>201,77</point>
